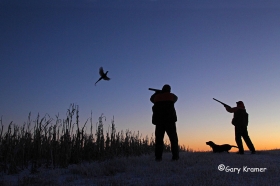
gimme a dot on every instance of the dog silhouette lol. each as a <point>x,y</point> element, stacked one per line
<point>220,148</point>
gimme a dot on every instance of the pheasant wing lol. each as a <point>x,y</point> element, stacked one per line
<point>101,72</point>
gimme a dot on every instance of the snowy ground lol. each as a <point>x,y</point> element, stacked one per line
<point>193,168</point>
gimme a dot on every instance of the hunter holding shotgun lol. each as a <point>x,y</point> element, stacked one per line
<point>240,121</point>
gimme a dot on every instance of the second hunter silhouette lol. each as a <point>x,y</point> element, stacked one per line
<point>240,122</point>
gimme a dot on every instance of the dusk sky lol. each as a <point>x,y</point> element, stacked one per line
<point>51,52</point>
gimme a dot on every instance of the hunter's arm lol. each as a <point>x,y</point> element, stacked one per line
<point>175,98</point>
<point>152,97</point>
<point>231,110</point>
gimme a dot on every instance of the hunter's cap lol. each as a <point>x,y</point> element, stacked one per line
<point>166,88</point>
<point>240,103</point>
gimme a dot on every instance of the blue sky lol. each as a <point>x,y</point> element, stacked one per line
<point>51,52</point>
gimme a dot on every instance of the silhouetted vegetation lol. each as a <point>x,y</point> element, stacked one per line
<point>57,143</point>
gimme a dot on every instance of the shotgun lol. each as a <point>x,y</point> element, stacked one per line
<point>221,103</point>
<point>153,89</point>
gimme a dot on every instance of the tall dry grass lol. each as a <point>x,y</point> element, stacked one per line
<point>50,143</point>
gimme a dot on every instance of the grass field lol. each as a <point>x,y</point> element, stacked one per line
<point>47,151</point>
<point>193,168</point>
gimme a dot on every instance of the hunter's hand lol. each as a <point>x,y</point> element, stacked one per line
<point>227,107</point>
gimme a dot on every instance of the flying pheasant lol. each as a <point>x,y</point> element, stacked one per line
<point>103,75</point>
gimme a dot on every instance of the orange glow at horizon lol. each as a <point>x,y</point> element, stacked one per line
<point>259,144</point>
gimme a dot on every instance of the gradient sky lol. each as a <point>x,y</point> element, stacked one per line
<point>51,51</point>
